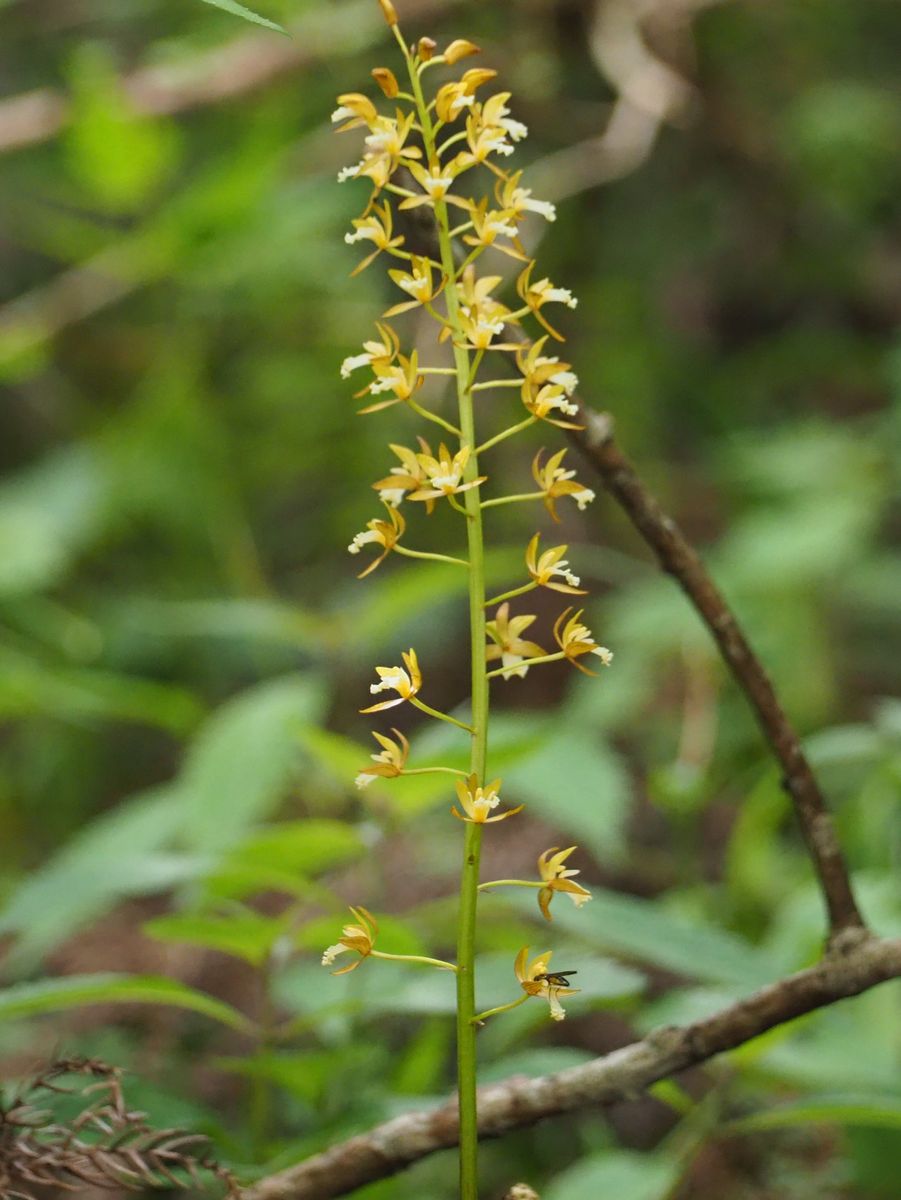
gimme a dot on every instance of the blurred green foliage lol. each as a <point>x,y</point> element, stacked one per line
<point>183,646</point>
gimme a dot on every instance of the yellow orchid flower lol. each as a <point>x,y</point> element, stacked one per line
<point>401,377</point>
<point>436,182</point>
<point>549,565</point>
<point>383,533</point>
<point>539,368</point>
<point>505,633</point>
<point>490,224</point>
<point>410,476</point>
<point>358,938</point>
<point>478,802</point>
<point>548,399</point>
<point>454,98</point>
<point>381,353</point>
<point>354,110</point>
<point>417,282</point>
<point>536,295</point>
<point>395,679</point>
<point>377,226</point>
<point>444,474</point>
<point>389,763</point>
<point>555,482</point>
<point>516,199</point>
<point>385,144</point>
<point>459,48</point>
<point>536,979</point>
<point>576,640</point>
<point>558,878</point>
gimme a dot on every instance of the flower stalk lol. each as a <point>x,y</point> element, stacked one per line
<point>436,141</point>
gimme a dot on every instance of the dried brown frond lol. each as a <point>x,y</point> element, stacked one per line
<point>105,1145</point>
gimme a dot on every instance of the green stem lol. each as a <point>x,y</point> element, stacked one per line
<point>500,437</point>
<point>492,1012</point>
<point>497,383</point>
<point>470,258</point>
<point>434,771</point>
<point>520,591</point>
<point>408,553</point>
<point>526,662</point>
<point>469,881</point>
<point>430,416</point>
<point>433,712</point>
<point>512,499</point>
<point>532,883</point>
<point>413,958</point>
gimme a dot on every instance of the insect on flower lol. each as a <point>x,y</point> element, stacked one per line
<point>557,978</point>
<point>536,979</point>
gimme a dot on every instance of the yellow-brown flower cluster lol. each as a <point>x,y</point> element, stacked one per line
<point>440,198</point>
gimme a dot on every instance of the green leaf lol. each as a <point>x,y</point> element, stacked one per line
<point>239,767</point>
<point>76,991</point>
<point>307,847</point>
<point>121,158</point>
<point>243,934</point>
<point>70,890</point>
<point>238,10</point>
<point>618,1173</point>
<point>578,784</point>
<point>644,931</point>
<point>29,687</point>
<point>837,1109</point>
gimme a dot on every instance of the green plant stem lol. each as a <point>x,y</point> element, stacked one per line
<point>413,958</point>
<point>527,662</point>
<point>440,716</point>
<point>493,1012</point>
<point>520,591</point>
<point>512,499</point>
<point>434,771</point>
<point>469,881</point>
<point>501,437</point>
<point>445,558</point>
<point>530,883</point>
<point>433,417</point>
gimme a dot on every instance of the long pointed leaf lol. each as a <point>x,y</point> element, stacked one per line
<point>238,10</point>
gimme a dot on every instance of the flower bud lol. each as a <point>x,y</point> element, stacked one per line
<point>389,12</point>
<point>476,76</point>
<point>426,48</point>
<point>387,81</point>
<point>460,49</point>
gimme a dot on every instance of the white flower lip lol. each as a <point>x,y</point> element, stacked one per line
<point>352,363</point>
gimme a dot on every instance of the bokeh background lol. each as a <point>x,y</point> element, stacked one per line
<point>184,646</point>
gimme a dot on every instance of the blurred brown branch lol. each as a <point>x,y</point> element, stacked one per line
<point>679,559</point>
<point>863,963</point>
<point>241,66</point>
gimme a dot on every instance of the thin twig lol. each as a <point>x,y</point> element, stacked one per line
<point>519,1102</point>
<point>679,559</point>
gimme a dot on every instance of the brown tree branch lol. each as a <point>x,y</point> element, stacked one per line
<point>679,559</point>
<point>864,962</point>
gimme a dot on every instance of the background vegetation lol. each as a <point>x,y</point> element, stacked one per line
<point>183,645</point>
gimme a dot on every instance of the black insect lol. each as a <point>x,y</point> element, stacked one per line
<point>556,978</point>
